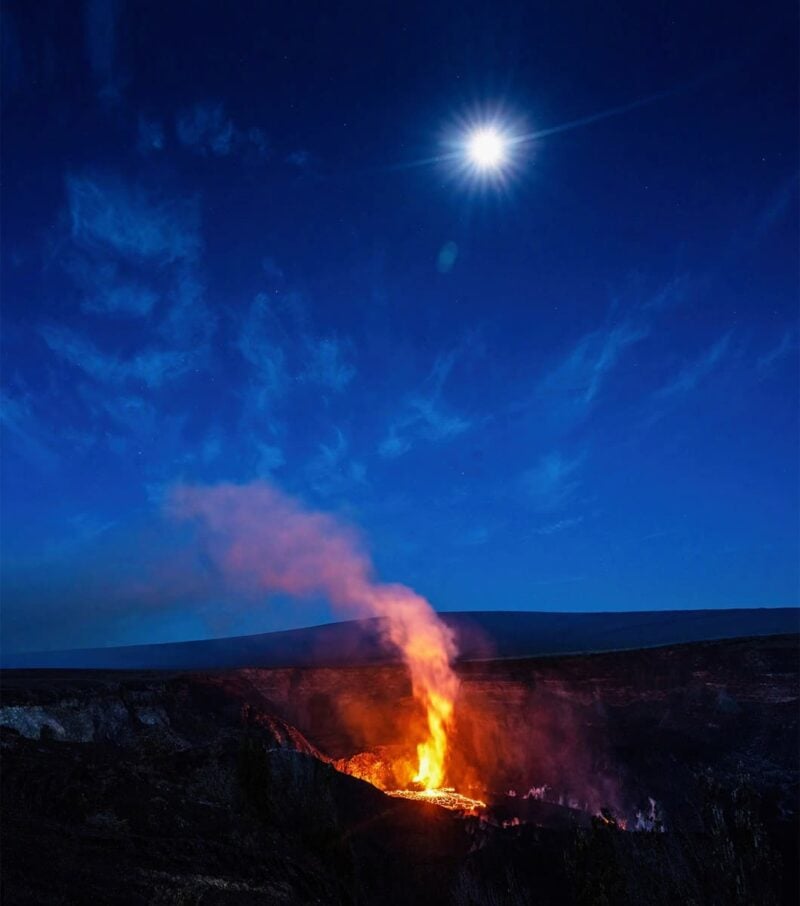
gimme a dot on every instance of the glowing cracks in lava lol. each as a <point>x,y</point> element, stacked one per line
<point>446,797</point>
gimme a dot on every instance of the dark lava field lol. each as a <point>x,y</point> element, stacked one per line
<point>659,776</point>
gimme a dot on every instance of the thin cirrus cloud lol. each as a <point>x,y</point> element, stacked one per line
<point>127,414</point>
<point>552,482</point>
<point>559,525</point>
<point>105,290</point>
<point>326,363</point>
<point>126,252</point>
<point>150,367</point>
<point>130,255</point>
<point>282,354</point>
<point>573,385</point>
<point>768,361</point>
<point>130,421</point>
<point>206,129</point>
<point>332,470</point>
<point>109,217</point>
<point>286,360</point>
<point>30,435</point>
<point>261,341</point>
<point>697,370</point>
<point>299,159</point>
<point>188,322</point>
<point>424,415</point>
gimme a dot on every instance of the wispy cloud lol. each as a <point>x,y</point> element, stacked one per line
<point>84,531</point>
<point>131,414</point>
<point>393,445</point>
<point>269,458</point>
<point>108,216</point>
<point>326,363</point>
<point>150,136</point>
<point>552,482</point>
<point>697,370</point>
<point>105,290</point>
<point>766,363</point>
<point>188,322</point>
<point>260,342</point>
<point>207,129</point>
<point>575,383</point>
<point>18,421</point>
<point>424,415</point>
<point>332,454</point>
<point>284,352</point>
<point>332,470</point>
<point>560,525</point>
<point>131,255</point>
<point>87,526</point>
<point>577,380</point>
<point>299,159</point>
<point>151,367</point>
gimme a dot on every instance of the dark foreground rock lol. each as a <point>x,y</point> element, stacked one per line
<point>179,789</point>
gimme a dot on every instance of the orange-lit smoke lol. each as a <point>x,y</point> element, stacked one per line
<point>260,539</point>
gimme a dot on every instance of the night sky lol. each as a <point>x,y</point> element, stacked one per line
<point>240,243</point>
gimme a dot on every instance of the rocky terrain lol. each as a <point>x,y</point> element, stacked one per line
<point>222,787</point>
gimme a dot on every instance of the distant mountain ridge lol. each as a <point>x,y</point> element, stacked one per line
<point>479,634</point>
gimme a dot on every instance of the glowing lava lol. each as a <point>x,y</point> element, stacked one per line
<point>446,797</point>
<point>428,649</point>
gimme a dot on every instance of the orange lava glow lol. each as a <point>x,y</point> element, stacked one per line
<point>432,751</point>
<point>446,797</point>
<point>428,649</point>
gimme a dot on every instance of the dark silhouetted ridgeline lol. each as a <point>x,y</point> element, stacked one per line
<point>484,634</point>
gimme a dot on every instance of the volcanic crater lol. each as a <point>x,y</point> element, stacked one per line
<point>644,776</point>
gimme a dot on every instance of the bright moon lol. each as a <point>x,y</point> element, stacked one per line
<point>486,149</point>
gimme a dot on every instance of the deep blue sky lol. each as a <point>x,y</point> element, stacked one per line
<point>575,390</point>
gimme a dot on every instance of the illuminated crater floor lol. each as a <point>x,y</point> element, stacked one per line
<point>446,797</point>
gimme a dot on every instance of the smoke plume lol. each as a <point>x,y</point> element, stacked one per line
<point>260,539</point>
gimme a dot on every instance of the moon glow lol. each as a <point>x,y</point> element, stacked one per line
<point>487,149</point>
